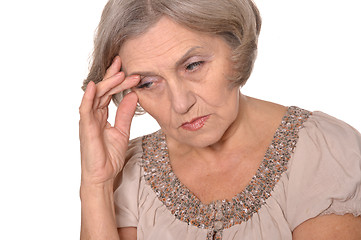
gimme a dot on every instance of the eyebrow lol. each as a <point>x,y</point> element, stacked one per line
<point>186,55</point>
<point>179,62</point>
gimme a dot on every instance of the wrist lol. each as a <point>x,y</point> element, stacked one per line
<point>96,189</point>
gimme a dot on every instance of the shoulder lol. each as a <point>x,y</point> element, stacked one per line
<point>321,126</point>
<point>329,139</point>
<point>133,158</point>
<point>134,152</point>
<point>327,144</point>
<point>324,175</point>
<point>129,185</point>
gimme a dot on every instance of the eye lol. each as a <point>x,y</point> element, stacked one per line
<point>194,66</point>
<point>145,85</point>
<point>147,82</point>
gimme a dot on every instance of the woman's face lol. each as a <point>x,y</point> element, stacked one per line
<point>184,83</point>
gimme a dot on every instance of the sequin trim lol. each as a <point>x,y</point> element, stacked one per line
<point>223,214</point>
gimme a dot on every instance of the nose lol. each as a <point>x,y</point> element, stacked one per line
<point>182,98</point>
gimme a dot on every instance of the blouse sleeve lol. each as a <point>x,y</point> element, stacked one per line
<point>127,190</point>
<point>325,172</point>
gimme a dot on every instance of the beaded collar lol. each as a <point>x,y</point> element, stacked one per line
<point>222,214</point>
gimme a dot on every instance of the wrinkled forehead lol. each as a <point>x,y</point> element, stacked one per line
<point>163,44</point>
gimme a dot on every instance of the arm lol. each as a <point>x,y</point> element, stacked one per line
<point>97,213</point>
<point>129,233</point>
<point>99,223</point>
<point>98,216</point>
<point>103,150</point>
<point>330,227</point>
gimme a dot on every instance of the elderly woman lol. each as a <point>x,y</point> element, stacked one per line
<point>223,165</point>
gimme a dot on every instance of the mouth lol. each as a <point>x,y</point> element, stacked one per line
<point>195,124</point>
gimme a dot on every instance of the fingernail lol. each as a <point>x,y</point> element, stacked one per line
<point>115,59</point>
<point>89,83</point>
<point>135,77</point>
<point>87,86</point>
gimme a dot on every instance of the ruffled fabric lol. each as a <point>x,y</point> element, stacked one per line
<point>128,187</point>
<point>323,177</point>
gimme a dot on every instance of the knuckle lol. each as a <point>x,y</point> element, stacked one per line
<point>81,110</point>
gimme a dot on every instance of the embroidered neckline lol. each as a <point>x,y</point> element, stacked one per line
<point>222,214</point>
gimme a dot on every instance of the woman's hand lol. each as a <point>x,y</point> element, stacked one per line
<point>103,147</point>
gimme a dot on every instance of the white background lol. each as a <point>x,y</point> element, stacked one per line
<point>309,56</point>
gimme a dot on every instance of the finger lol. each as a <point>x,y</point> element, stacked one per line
<point>128,83</point>
<point>125,113</point>
<point>111,78</point>
<point>104,102</point>
<point>114,67</point>
<point>107,84</point>
<point>88,99</point>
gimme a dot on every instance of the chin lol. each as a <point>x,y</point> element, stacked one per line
<point>200,140</point>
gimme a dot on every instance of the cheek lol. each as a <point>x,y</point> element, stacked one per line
<point>217,92</point>
<point>155,104</point>
<point>149,97</point>
<point>147,103</point>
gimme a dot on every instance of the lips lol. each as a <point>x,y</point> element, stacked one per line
<point>195,124</point>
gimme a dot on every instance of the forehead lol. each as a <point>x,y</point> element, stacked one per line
<point>166,41</point>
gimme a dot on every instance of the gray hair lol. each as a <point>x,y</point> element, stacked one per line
<point>237,21</point>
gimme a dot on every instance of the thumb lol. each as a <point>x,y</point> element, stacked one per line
<point>125,113</point>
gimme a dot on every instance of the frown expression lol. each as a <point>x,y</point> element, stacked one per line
<point>184,82</point>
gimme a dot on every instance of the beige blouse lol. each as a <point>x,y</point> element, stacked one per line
<point>312,168</point>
